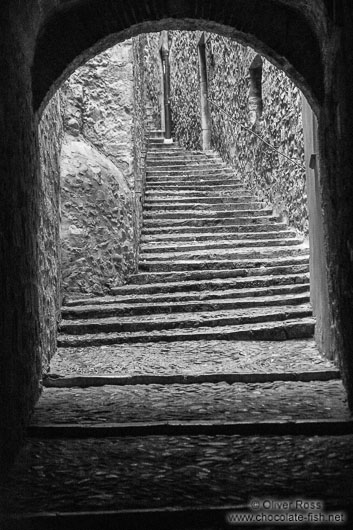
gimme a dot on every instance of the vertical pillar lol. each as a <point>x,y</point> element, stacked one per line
<point>205,111</point>
<point>318,261</point>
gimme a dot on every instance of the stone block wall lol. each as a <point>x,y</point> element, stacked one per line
<point>271,177</point>
<point>99,225</point>
<point>140,125</point>
<point>148,69</point>
<point>185,89</point>
<point>50,132</point>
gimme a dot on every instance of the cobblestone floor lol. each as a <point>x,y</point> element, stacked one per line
<point>191,357</point>
<point>221,401</point>
<point>161,471</point>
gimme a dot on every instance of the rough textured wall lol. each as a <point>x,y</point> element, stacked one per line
<point>150,66</point>
<point>140,125</point>
<point>99,224</point>
<point>28,237</point>
<point>269,175</point>
<point>185,89</point>
<point>50,141</point>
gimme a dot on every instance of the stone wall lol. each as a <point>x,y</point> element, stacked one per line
<point>185,89</point>
<point>150,70</point>
<point>50,141</point>
<point>140,125</point>
<point>271,177</point>
<point>99,222</point>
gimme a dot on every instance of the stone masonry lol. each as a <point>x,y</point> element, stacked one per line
<point>99,231</point>
<point>196,385</point>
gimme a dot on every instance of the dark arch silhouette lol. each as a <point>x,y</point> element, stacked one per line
<point>77,30</point>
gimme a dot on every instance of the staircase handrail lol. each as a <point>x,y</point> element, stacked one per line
<point>232,119</point>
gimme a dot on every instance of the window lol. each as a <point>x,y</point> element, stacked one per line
<point>255,94</point>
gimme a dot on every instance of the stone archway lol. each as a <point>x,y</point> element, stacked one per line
<point>43,43</point>
<point>282,31</point>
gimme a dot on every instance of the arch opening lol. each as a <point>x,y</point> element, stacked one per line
<point>279,32</point>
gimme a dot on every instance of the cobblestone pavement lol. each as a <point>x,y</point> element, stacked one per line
<point>73,475</point>
<point>191,357</point>
<point>221,401</point>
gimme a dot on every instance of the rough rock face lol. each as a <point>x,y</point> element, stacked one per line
<point>148,67</point>
<point>50,139</point>
<point>139,127</point>
<point>185,89</point>
<point>268,175</point>
<point>99,238</point>
<point>97,229</point>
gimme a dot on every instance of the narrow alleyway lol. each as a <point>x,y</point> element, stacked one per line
<point>198,383</point>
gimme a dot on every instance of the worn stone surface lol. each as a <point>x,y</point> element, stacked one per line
<point>190,357</point>
<point>221,401</point>
<point>140,131</point>
<point>150,69</point>
<point>192,320</point>
<point>98,100</point>
<point>51,134</point>
<point>130,473</point>
<point>270,176</point>
<point>255,320</point>
<point>97,226</point>
<point>99,217</point>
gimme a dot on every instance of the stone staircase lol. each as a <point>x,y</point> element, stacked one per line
<point>197,386</point>
<point>214,264</point>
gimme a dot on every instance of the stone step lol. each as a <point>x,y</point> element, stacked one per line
<point>157,154</point>
<point>262,218</point>
<point>192,246</point>
<point>198,202</point>
<point>199,171</point>
<point>182,162</point>
<point>182,471</point>
<point>160,148</point>
<point>176,321</point>
<point>155,142</point>
<point>188,167</point>
<point>205,517</point>
<point>120,310</point>
<point>194,180</point>
<point>87,380</point>
<point>175,155</point>
<point>217,236</point>
<point>237,254</point>
<point>171,194</point>
<point>210,212</point>
<point>227,229</point>
<point>156,207</point>
<point>202,269</point>
<point>300,328</point>
<point>266,360</point>
<point>237,402</point>
<point>189,170</point>
<point>199,185</point>
<point>159,272</point>
<point>214,294</point>
<point>249,265</point>
<point>245,267</point>
<point>156,133</point>
<point>219,284</point>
